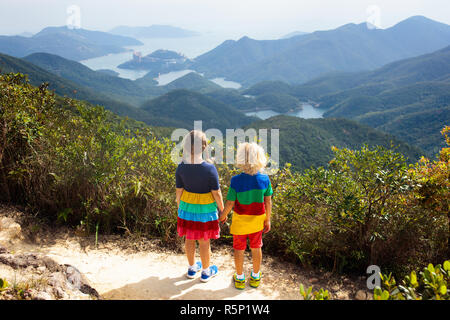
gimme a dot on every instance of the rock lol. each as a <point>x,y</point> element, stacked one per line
<point>41,269</point>
<point>9,230</point>
<point>57,280</point>
<point>313,280</point>
<point>73,276</point>
<point>361,295</point>
<point>42,295</point>
<point>59,293</point>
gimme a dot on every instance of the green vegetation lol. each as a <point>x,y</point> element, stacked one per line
<point>124,90</point>
<point>184,107</point>
<point>64,87</point>
<point>368,207</point>
<point>308,294</point>
<point>233,98</point>
<point>433,283</point>
<point>278,102</point>
<point>194,82</point>
<point>82,165</point>
<point>306,143</point>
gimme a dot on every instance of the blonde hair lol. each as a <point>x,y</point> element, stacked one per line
<point>250,158</point>
<point>194,143</point>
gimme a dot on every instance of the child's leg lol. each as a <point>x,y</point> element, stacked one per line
<point>257,259</point>
<point>190,251</point>
<point>239,261</point>
<point>205,252</point>
<point>239,245</point>
<point>255,246</point>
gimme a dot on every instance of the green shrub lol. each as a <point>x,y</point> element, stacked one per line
<point>308,294</point>
<point>362,210</point>
<point>433,283</point>
<point>78,163</point>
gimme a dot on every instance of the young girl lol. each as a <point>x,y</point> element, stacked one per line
<point>250,194</point>
<point>198,197</point>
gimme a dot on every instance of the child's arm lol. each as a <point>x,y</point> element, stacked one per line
<point>268,206</point>
<point>217,194</point>
<point>228,207</point>
<point>179,193</point>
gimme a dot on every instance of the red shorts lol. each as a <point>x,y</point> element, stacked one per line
<point>240,241</point>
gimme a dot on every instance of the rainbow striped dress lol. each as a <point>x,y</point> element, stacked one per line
<point>198,217</point>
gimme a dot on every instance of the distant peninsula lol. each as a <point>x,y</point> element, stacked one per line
<point>159,61</point>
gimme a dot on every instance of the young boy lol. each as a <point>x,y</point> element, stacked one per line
<point>250,195</point>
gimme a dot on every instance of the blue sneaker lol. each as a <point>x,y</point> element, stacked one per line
<point>207,275</point>
<point>193,271</point>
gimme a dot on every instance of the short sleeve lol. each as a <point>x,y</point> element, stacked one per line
<point>269,191</point>
<point>231,196</point>
<point>178,179</point>
<point>214,179</point>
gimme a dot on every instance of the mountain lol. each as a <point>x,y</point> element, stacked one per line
<point>399,98</point>
<point>194,82</point>
<point>115,87</point>
<point>73,44</point>
<point>307,142</point>
<point>349,48</point>
<point>293,34</point>
<point>65,87</point>
<point>154,31</point>
<point>184,107</point>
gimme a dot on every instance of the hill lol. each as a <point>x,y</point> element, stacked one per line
<point>401,99</point>
<point>194,82</point>
<point>386,98</point>
<point>350,48</point>
<point>64,87</point>
<point>73,44</point>
<point>184,107</point>
<point>115,87</point>
<point>154,31</point>
<point>307,142</point>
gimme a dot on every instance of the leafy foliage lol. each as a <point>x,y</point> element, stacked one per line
<point>308,294</point>
<point>80,164</point>
<point>364,209</point>
<point>433,283</point>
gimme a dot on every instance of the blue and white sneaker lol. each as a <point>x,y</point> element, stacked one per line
<point>193,271</point>
<point>207,275</point>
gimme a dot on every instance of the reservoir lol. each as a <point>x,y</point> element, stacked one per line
<point>308,112</point>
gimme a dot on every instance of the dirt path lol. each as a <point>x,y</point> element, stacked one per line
<point>153,273</point>
<point>158,275</point>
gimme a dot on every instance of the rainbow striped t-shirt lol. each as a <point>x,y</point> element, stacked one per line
<point>248,192</point>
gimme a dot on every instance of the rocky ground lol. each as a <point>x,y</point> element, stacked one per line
<point>42,262</point>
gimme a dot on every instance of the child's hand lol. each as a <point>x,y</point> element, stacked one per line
<point>223,218</point>
<point>266,226</point>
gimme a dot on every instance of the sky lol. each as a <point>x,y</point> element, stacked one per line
<point>259,19</point>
